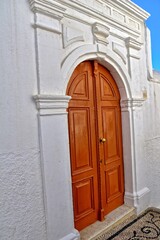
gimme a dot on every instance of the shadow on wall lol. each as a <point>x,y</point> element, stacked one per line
<point>156,75</point>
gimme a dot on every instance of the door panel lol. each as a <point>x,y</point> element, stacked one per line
<point>107,91</point>
<point>82,135</point>
<point>84,188</point>
<point>80,127</point>
<point>113,183</point>
<point>97,165</point>
<point>109,127</point>
<point>109,121</point>
<point>80,90</point>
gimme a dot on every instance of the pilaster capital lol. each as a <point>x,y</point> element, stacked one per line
<point>133,47</point>
<point>133,104</point>
<point>51,104</point>
<point>132,43</point>
<point>47,7</point>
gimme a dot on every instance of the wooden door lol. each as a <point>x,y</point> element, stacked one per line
<point>110,147</point>
<point>95,143</point>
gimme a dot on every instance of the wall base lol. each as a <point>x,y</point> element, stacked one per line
<point>139,200</point>
<point>72,236</point>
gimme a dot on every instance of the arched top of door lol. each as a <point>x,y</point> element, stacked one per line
<point>107,59</point>
<point>77,86</point>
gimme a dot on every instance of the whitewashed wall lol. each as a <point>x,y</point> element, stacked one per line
<point>21,197</point>
<point>152,138</point>
<point>41,43</point>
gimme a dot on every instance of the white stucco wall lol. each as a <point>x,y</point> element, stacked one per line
<point>21,198</point>
<point>152,138</point>
<point>40,46</point>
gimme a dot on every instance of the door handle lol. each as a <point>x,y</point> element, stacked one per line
<point>102,140</point>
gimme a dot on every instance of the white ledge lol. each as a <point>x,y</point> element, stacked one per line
<point>129,6</point>
<point>51,8</point>
<point>131,104</point>
<point>51,104</point>
<point>47,28</point>
<point>132,43</point>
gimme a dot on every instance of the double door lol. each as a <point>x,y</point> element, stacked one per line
<point>95,138</point>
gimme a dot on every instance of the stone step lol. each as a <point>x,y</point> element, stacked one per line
<point>114,218</point>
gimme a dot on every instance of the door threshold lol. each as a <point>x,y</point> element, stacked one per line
<point>111,220</point>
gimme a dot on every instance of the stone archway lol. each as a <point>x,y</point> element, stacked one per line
<point>120,74</point>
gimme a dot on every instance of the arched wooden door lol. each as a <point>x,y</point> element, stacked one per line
<point>95,143</point>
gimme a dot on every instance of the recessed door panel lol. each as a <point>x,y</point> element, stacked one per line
<point>107,92</point>
<point>109,120</point>
<point>81,88</point>
<point>81,138</point>
<point>113,183</point>
<point>84,197</point>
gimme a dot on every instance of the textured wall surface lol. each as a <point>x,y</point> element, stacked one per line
<point>152,136</point>
<point>156,75</point>
<point>22,214</point>
<point>152,148</point>
<point>39,45</point>
<point>18,77</point>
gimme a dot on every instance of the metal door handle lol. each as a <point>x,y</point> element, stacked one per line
<point>102,140</point>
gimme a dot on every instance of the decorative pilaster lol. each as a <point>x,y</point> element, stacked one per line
<point>55,162</point>
<point>133,49</point>
<point>48,30</point>
<point>136,192</point>
<point>52,119</point>
<point>149,55</point>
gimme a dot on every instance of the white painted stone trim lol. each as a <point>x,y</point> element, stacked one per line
<point>124,6</point>
<point>51,104</point>
<point>133,47</point>
<point>50,8</point>
<point>131,7</point>
<point>46,27</point>
<point>108,59</point>
<point>131,104</point>
<point>138,199</point>
<point>58,9</point>
<point>100,33</point>
<point>149,55</point>
<point>72,236</point>
<point>132,43</point>
<point>115,47</point>
<point>67,40</point>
